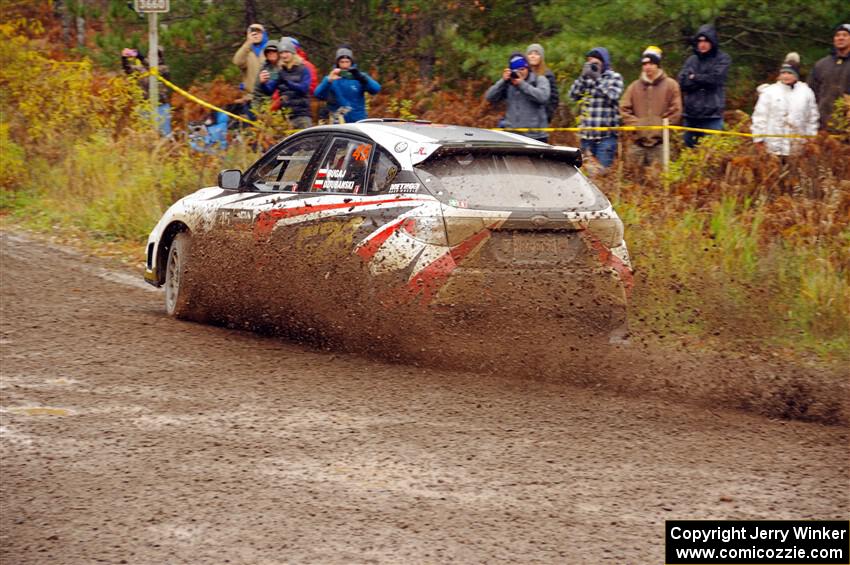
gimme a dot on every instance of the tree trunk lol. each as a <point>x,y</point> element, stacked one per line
<point>251,15</point>
<point>60,10</point>
<point>81,25</point>
<point>426,47</point>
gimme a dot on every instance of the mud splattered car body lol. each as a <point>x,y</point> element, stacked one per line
<point>447,218</point>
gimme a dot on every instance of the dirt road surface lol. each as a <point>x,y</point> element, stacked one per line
<point>129,437</point>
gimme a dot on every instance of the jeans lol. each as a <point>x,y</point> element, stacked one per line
<point>604,149</point>
<point>163,119</point>
<point>693,137</point>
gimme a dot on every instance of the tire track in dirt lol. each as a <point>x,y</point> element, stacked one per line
<point>190,443</point>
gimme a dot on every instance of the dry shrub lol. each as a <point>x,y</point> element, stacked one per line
<point>429,101</point>
<point>743,246</point>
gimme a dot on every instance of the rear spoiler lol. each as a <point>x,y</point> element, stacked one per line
<point>569,155</point>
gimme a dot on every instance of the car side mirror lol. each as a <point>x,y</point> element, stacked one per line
<point>231,179</point>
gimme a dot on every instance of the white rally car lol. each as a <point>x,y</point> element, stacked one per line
<point>433,215</point>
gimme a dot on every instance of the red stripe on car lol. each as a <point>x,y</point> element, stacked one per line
<point>430,279</point>
<point>267,220</point>
<point>368,248</point>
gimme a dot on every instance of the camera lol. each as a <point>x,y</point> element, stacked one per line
<point>514,75</point>
<point>345,74</point>
<point>255,29</point>
<point>594,67</point>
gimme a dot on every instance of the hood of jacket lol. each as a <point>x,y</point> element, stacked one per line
<point>711,33</point>
<point>605,56</point>
<point>258,48</point>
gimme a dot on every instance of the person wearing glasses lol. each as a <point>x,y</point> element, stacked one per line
<point>647,101</point>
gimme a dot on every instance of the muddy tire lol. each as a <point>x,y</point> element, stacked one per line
<point>180,299</point>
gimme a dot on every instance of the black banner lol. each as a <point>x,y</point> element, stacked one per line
<point>757,542</point>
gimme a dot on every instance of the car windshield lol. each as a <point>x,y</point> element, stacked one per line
<point>500,181</point>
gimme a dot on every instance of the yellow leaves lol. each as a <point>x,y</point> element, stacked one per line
<point>13,171</point>
<point>46,100</point>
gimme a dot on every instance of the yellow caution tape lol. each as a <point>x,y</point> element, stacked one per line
<point>155,72</point>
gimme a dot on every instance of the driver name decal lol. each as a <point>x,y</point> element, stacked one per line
<point>328,179</point>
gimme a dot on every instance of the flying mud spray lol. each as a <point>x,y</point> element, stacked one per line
<point>524,324</point>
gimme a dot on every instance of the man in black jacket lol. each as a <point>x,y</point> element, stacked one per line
<point>831,75</point>
<point>703,80</point>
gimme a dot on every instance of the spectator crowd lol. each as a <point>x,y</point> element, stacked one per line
<point>278,76</point>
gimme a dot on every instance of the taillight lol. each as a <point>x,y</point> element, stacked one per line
<point>607,230</point>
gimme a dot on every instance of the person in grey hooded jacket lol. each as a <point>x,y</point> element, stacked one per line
<point>526,94</point>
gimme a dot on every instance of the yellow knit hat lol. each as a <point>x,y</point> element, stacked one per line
<point>651,54</point>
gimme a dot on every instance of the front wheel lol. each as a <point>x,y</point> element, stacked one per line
<point>178,298</point>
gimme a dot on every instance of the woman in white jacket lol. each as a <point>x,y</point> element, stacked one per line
<point>785,107</point>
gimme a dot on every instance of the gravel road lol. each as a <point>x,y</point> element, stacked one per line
<point>129,437</point>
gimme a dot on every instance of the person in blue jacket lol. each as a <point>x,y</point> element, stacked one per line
<point>292,85</point>
<point>345,87</point>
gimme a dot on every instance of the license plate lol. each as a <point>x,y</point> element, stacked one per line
<point>535,247</point>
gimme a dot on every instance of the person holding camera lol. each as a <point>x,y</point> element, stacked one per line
<point>134,64</point>
<point>249,58</point>
<point>527,96</point>
<point>270,71</point>
<point>345,88</point>
<point>598,90</point>
<point>292,86</point>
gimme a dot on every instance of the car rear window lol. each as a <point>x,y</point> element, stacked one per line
<point>520,182</point>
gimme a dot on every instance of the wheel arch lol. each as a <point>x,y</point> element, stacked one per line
<point>168,235</point>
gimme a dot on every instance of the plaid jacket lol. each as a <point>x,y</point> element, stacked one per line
<point>599,103</point>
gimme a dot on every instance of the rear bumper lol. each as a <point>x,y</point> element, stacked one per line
<point>587,301</point>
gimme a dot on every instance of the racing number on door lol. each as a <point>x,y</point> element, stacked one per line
<point>362,152</point>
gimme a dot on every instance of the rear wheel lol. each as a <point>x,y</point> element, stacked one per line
<point>178,301</point>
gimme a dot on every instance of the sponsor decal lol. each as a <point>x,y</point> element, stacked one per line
<point>421,151</point>
<point>405,187</point>
<point>400,146</point>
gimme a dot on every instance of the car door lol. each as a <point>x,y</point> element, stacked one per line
<point>337,189</point>
<point>273,180</point>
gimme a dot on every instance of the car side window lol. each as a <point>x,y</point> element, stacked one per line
<point>384,170</point>
<point>283,171</point>
<point>343,168</point>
